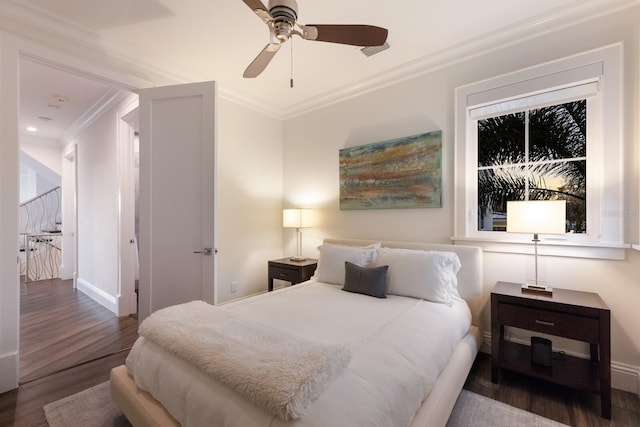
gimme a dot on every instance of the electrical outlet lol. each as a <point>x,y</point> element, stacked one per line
<point>234,287</point>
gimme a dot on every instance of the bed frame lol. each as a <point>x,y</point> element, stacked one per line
<point>143,410</point>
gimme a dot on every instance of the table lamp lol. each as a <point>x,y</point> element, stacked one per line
<point>537,217</point>
<point>297,218</point>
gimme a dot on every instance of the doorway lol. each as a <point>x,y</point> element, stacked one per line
<point>201,112</point>
<point>71,129</point>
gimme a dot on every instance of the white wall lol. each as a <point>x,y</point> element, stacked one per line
<point>311,177</point>
<point>249,198</point>
<point>35,177</point>
<point>40,166</point>
<point>425,103</point>
<point>97,198</point>
<point>45,150</point>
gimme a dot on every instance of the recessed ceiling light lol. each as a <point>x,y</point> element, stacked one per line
<point>45,118</point>
<point>61,98</point>
<point>55,107</point>
<point>32,129</point>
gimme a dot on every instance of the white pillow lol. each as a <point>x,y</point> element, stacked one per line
<point>429,275</point>
<point>332,258</point>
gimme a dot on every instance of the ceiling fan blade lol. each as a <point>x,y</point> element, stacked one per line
<point>262,60</point>
<point>356,35</point>
<point>259,9</point>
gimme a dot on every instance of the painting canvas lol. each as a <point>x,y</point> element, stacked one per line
<point>403,173</point>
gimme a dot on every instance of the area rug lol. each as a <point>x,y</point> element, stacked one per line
<point>478,411</point>
<point>94,408</point>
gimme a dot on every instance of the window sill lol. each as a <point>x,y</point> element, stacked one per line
<point>594,250</point>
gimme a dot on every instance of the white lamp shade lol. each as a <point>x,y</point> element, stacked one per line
<point>537,216</point>
<point>297,218</point>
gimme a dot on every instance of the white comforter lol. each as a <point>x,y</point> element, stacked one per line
<point>399,346</point>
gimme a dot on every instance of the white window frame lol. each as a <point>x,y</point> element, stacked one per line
<point>600,68</point>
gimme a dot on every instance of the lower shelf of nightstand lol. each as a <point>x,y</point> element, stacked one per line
<point>569,371</point>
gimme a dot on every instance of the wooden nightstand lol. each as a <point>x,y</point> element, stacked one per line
<point>581,316</point>
<point>291,271</point>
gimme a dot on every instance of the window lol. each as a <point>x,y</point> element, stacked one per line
<point>538,134</point>
<point>536,154</point>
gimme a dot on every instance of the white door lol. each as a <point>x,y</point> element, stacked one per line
<point>177,197</point>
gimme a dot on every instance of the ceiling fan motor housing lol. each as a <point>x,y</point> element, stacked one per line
<point>284,14</point>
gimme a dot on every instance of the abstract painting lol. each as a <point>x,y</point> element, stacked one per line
<point>402,173</point>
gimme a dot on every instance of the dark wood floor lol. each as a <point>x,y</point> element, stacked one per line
<point>562,404</point>
<point>61,327</point>
<point>68,343</point>
<point>23,407</point>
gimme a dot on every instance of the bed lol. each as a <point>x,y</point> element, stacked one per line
<point>379,383</point>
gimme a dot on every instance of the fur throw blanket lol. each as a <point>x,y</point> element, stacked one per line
<point>280,372</point>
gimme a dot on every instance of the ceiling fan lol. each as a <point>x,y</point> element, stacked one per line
<point>281,18</point>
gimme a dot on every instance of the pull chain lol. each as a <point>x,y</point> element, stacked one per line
<point>291,79</point>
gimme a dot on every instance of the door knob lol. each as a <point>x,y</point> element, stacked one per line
<point>206,251</point>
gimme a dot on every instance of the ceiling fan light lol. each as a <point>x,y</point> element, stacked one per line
<point>282,30</point>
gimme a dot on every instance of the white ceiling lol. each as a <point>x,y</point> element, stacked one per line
<point>54,101</point>
<point>215,40</point>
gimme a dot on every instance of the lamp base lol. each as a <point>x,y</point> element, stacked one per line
<point>297,258</point>
<point>537,289</point>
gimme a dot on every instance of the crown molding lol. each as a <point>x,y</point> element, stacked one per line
<point>266,109</point>
<point>106,102</point>
<point>571,14</point>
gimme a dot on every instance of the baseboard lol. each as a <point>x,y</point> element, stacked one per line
<point>623,376</point>
<point>98,295</point>
<point>8,371</point>
<point>126,306</point>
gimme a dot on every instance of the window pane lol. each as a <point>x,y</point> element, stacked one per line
<point>501,140</point>
<point>558,132</point>
<point>563,181</point>
<point>496,186</point>
<point>576,216</point>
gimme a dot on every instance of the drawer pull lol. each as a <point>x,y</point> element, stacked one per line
<point>542,322</point>
<point>283,275</point>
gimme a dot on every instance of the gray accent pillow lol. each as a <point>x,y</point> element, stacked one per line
<point>365,280</point>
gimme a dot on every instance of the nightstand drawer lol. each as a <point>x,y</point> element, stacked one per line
<point>291,270</point>
<point>551,322</point>
<point>280,273</point>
